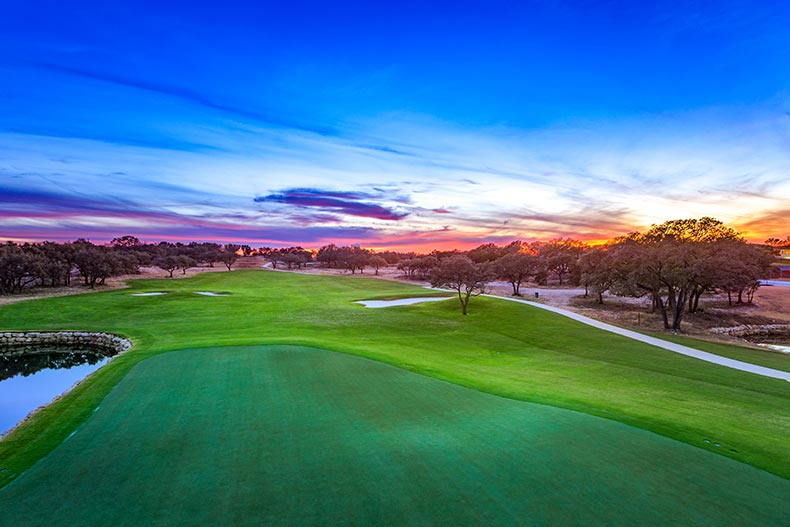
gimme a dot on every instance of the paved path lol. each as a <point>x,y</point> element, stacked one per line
<point>671,346</point>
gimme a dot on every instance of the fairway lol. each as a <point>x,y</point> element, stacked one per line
<point>264,407</point>
<point>283,435</point>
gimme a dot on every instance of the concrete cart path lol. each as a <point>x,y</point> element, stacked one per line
<point>671,346</point>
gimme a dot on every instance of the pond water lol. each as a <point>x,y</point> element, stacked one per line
<point>32,379</point>
<point>780,343</point>
<point>777,347</point>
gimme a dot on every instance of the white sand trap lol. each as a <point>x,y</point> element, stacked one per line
<point>150,293</point>
<point>211,293</point>
<point>400,301</point>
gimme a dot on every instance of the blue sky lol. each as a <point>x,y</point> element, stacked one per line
<point>408,125</point>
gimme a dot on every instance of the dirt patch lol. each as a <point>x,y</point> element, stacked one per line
<point>773,302</point>
<point>771,306</point>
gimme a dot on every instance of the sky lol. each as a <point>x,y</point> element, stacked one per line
<point>395,125</point>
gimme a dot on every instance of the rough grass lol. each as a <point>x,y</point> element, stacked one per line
<point>501,347</point>
<point>281,435</point>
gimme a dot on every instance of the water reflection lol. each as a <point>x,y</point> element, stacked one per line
<point>779,343</point>
<point>26,364</point>
<point>33,377</point>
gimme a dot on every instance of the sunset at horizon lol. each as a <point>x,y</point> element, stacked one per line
<point>415,126</point>
<point>468,263</point>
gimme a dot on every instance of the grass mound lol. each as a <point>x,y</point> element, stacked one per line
<point>284,435</point>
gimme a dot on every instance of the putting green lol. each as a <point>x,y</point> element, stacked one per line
<point>285,435</point>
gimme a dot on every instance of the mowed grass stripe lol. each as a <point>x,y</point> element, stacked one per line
<point>281,435</point>
<point>501,347</point>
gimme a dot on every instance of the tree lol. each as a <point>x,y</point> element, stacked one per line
<point>671,263</point>
<point>418,268</point>
<point>515,268</point>
<point>206,252</point>
<point>597,272</point>
<point>96,264</point>
<point>55,264</point>
<point>125,242</point>
<point>464,276</point>
<point>377,262</point>
<point>739,267</point>
<point>185,262</point>
<point>352,258</point>
<point>17,269</point>
<point>391,257</point>
<point>488,252</point>
<point>168,263</point>
<point>328,255</point>
<point>777,243</point>
<point>228,255</point>
<point>560,256</point>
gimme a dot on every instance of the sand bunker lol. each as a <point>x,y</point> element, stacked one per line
<point>400,301</point>
<point>212,293</point>
<point>151,293</point>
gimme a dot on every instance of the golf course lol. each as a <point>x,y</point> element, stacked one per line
<point>283,402</point>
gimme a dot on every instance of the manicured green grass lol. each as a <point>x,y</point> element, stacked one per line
<point>502,348</point>
<point>761,357</point>
<point>282,435</point>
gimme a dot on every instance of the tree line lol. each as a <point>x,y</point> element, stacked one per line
<point>50,264</point>
<point>673,264</point>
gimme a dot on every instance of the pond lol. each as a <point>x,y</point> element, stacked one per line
<point>779,342</point>
<point>32,378</point>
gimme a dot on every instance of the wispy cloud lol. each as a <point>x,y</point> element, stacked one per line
<point>770,223</point>
<point>185,94</point>
<point>160,143</point>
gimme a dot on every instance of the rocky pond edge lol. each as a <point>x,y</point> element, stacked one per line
<point>16,341</point>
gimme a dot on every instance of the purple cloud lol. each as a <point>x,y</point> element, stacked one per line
<point>334,201</point>
<point>276,236</point>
